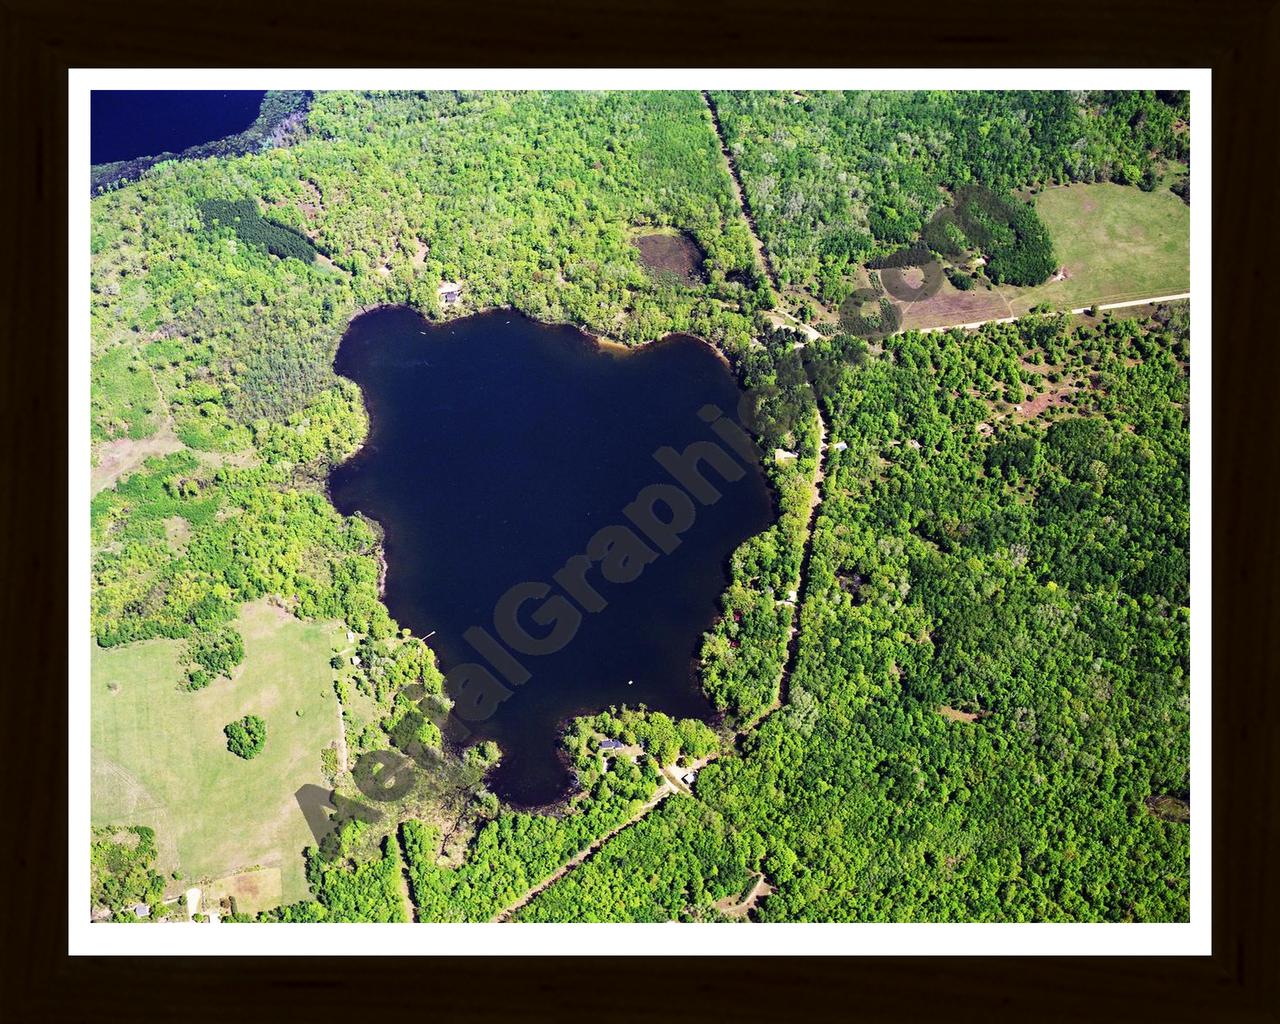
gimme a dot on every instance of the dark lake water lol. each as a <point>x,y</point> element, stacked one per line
<point>126,124</point>
<point>498,448</point>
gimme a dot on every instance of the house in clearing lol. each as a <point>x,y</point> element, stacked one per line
<point>611,744</point>
<point>449,292</point>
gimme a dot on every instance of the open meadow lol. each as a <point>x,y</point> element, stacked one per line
<point>1115,243</point>
<point>160,757</point>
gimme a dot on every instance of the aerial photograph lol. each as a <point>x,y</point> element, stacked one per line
<point>612,506</point>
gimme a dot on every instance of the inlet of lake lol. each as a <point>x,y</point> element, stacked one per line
<point>499,447</point>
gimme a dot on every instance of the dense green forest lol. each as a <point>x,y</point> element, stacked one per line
<point>673,866</point>
<point>742,656</point>
<point>352,883</point>
<point>526,199</point>
<point>834,179</point>
<point>988,703</point>
<point>245,220</point>
<point>1009,234</point>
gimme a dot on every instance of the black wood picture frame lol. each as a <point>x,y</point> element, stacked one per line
<point>1239,40</point>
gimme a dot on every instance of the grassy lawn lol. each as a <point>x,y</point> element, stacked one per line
<point>252,891</point>
<point>1117,243</point>
<point>160,757</point>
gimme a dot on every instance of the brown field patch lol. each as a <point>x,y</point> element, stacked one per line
<point>313,205</point>
<point>1055,396</point>
<point>952,306</point>
<point>123,456</point>
<point>735,908</point>
<point>246,893</point>
<point>956,715</point>
<point>246,459</point>
<point>1169,808</point>
<point>177,531</point>
<point>674,253</point>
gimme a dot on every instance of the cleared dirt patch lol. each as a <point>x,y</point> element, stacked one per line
<point>1033,407</point>
<point>177,531</point>
<point>672,253</point>
<point>236,460</point>
<point>956,715</point>
<point>912,277</point>
<point>952,306</point>
<point>118,458</point>
<point>246,893</point>
<point>736,909</point>
<point>1170,808</point>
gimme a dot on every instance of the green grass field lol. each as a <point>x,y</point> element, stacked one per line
<point>1117,243</point>
<point>160,756</point>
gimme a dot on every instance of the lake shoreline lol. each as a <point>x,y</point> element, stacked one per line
<point>614,397</point>
<point>603,340</point>
<point>279,114</point>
